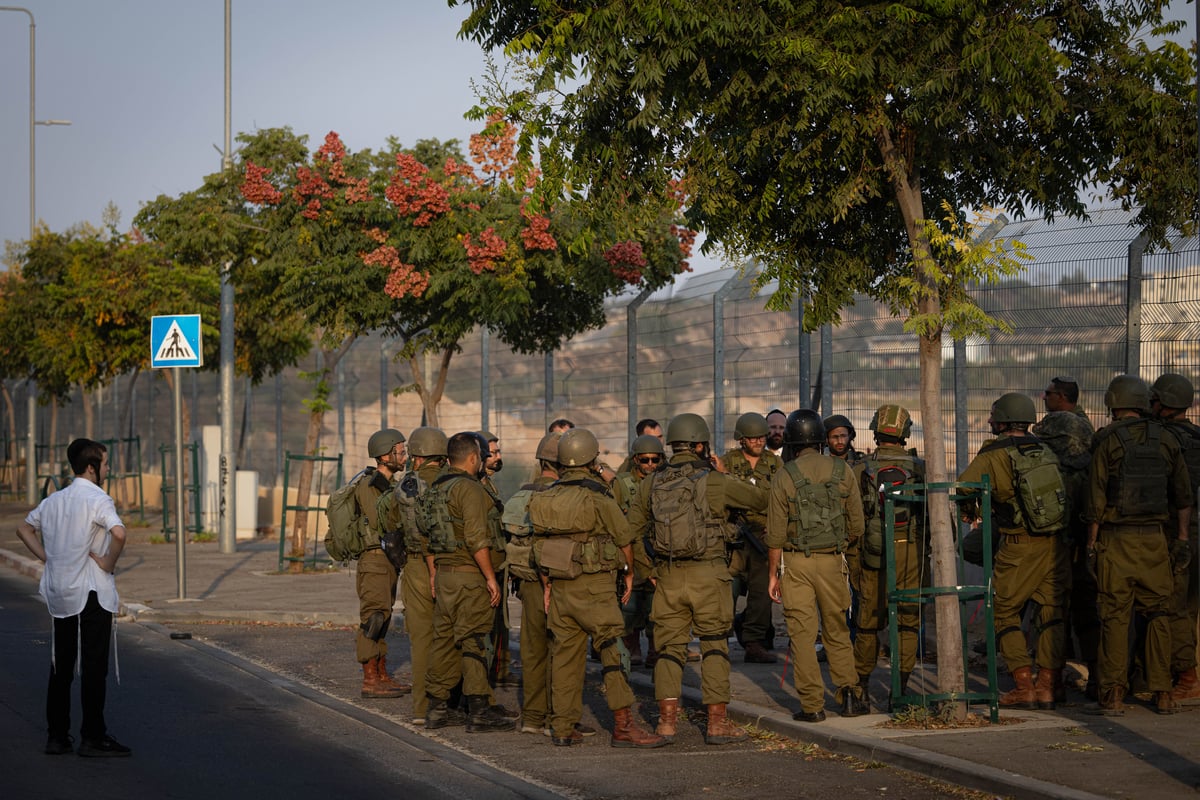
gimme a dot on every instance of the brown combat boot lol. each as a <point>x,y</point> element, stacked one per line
<point>628,731</point>
<point>1023,696</point>
<point>1110,704</point>
<point>1045,690</point>
<point>385,677</point>
<point>633,643</point>
<point>1187,687</point>
<point>374,686</point>
<point>1164,703</point>
<point>668,717</point>
<point>720,730</point>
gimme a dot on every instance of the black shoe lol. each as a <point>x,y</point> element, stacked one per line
<point>852,704</point>
<point>485,718</point>
<point>804,716</point>
<point>504,712</point>
<point>107,747</point>
<point>572,738</point>
<point>59,744</point>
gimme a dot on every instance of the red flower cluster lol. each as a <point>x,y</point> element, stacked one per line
<point>454,169</point>
<point>687,238</point>
<point>413,193</point>
<point>402,278</point>
<point>626,260</point>
<point>256,189</point>
<point>332,152</point>
<point>494,150</point>
<point>483,255</point>
<point>536,235</point>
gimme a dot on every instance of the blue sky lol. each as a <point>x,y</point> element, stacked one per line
<point>142,82</point>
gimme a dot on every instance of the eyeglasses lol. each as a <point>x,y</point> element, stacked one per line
<point>649,459</point>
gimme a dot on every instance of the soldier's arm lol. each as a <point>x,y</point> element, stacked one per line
<point>639,509</point>
<point>745,496</point>
<point>855,521</point>
<point>483,558</point>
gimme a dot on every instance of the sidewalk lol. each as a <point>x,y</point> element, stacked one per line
<point>1058,754</point>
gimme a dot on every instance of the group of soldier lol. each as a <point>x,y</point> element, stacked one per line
<point>792,515</point>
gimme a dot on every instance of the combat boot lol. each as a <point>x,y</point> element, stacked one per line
<point>852,704</point>
<point>436,714</point>
<point>1164,703</point>
<point>1045,690</point>
<point>720,730</point>
<point>1187,687</point>
<point>1110,704</point>
<point>374,683</point>
<point>757,654</point>
<point>385,677</point>
<point>633,643</point>
<point>482,717</point>
<point>864,683</point>
<point>628,731</point>
<point>668,716</point>
<point>1023,696</point>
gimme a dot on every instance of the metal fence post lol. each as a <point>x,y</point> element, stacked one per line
<point>718,356</point>
<point>631,359</point>
<point>1133,305</point>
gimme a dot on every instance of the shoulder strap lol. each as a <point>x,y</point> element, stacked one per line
<point>587,483</point>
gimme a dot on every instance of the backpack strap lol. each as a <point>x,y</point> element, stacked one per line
<point>587,483</point>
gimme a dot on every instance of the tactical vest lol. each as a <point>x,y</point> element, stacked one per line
<point>568,541</point>
<point>404,498</point>
<point>904,471</point>
<point>684,526</point>
<point>433,515</point>
<point>519,530</point>
<point>816,511</point>
<point>1040,504</point>
<point>1139,487</point>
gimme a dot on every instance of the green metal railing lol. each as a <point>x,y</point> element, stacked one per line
<point>318,481</point>
<point>121,452</point>
<point>192,487</point>
<point>967,594</point>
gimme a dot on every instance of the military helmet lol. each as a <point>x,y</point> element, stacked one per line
<point>646,444</point>
<point>804,427</point>
<point>892,420</point>
<point>1014,407</point>
<point>577,448</point>
<point>382,442</point>
<point>689,428</point>
<point>1173,390</point>
<point>426,442</point>
<point>547,449</point>
<point>1127,391</point>
<point>489,436</point>
<point>839,421</point>
<point>750,425</point>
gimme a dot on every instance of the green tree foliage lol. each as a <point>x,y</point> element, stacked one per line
<point>820,137</point>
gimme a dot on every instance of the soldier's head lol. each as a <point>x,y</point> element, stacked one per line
<point>1171,395</point>
<point>1012,413</point>
<point>547,452</point>
<point>387,448</point>
<point>494,463</point>
<point>465,451</point>
<point>577,448</point>
<point>776,422</point>
<point>1062,394</point>
<point>426,444</point>
<point>1127,395</point>
<point>560,425</point>
<point>687,433</point>
<point>649,426</point>
<point>751,433</point>
<point>839,435</point>
<point>803,430</point>
<point>891,424</point>
<point>647,454</point>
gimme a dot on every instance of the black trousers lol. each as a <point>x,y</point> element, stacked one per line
<point>90,631</point>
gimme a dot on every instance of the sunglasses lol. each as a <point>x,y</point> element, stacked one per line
<point>649,459</point>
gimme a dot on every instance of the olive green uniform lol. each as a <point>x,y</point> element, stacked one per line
<point>1133,570</point>
<point>636,612</point>
<point>416,593</point>
<point>1184,595</point>
<point>462,618</point>
<point>909,549</point>
<point>694,596</point>
<point>756,620</point>
<point>499,666</point>
<point>1027,567</point>
<point>857,462</point>
<point>375,578</point>
<point>587,606</point>
<point>535,641</point>
<point>814,584</point>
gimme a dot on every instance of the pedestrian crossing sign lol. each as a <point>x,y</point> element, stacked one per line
<point>175,341</point>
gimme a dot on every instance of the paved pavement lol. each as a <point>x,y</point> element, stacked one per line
<point>1060,754</point>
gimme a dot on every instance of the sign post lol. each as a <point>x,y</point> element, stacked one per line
<point>175,344</point>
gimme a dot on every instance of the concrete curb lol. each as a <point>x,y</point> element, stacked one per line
<point>26,565</point>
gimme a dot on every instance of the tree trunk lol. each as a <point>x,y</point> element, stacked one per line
<point>52,439</point>
<point>10,451</point>
<point>431,397</point>
<point>89,412</point>
<point>124,430</point>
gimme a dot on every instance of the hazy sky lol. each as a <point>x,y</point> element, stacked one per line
<point>142,82</point>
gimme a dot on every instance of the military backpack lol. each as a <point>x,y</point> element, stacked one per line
<point>349,532</point>
<point>816,511</point>
<point>565,521</point>
<point>898,476</point>
<point>519,530</point>
<point>1042,504</point>
<point>684,526</point>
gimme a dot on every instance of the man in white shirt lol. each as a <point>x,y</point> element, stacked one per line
<point>76,532</point>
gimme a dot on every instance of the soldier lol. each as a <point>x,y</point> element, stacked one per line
<point>892,464</point>
<point>815,509</point>
<point>1170,398</point>
<point>581,539</point>
<point>1029,511</point>
<point>1070,437</point>
<point>751,462</point>
<point>684,509</point>
<point>427,447</point>
<point>1063,395</point>
<point>465,537</point>
<point>644,427</point>
<point>1138,479</point>
<point>839,442</point>
<point>560,425</point>
<point>647,456</point>
<point>375,578</point>
<point>500,670</point>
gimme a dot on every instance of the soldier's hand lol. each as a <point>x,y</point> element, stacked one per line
<point>1180,554</point>
<point>628,588</point>
<point>1091,560</point>
<point>546,597</point>
<point>493,592</point>
<point>717,463</point>
<point>774,589</point>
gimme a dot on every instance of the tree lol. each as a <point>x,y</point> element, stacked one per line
<point>815,136</point>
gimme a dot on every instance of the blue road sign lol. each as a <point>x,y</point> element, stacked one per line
<point>175,341</point>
